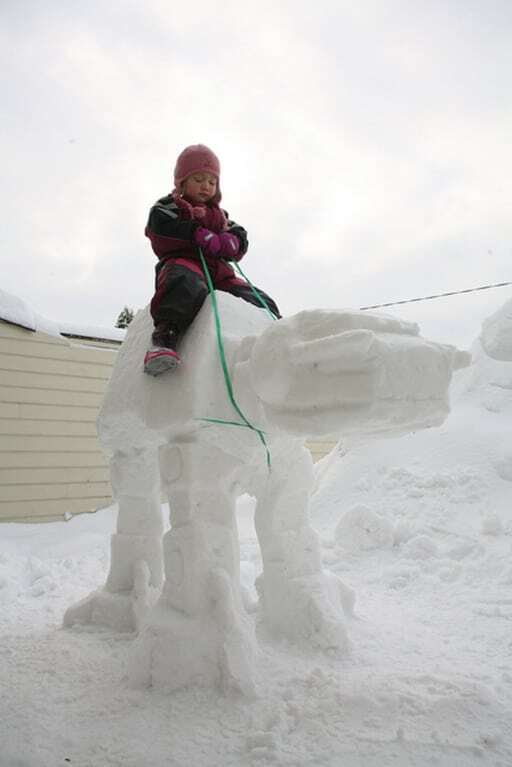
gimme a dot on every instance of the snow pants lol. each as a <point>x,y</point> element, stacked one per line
<point>181,290</point>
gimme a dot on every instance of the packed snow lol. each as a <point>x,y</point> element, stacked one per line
<point>496,337</point>
<point>355,372</point>
<point>417,526</point>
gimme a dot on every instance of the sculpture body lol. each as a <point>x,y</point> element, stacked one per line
<point>315,373</point>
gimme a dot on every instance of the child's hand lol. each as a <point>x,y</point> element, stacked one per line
<point>229,245</point>
<point>208,241</point>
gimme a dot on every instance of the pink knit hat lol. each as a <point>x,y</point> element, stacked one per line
<point>194,159</point>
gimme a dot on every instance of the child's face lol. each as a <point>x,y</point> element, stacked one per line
<point>200,187</point>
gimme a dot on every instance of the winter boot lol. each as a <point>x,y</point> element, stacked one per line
<point>162,354</point>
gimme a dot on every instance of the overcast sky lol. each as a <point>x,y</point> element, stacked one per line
<point>365,145</point>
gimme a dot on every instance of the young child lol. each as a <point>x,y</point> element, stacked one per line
<point>179,225</point>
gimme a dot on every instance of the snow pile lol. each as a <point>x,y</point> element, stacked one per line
<point>443,495</point>
<point>361,529</point>
<point>496,336</point>
<point>488,382</point>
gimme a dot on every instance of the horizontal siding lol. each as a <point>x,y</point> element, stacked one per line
<point>50,393</point>
<point>48,510</point>
<point>20,335</point>
<point>51,367</point>
<point>40,380</point>
<point>59,460</point>
<point>14,332</point>
<point>9,410</point>
<point>18,426</point>
<point>53,492</point>
<point>16,444</point>
<point>50,397</point>
<point>53,475</point>
<point>81,354</point>
<point>48,412</point>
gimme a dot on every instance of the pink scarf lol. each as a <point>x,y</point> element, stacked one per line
<point>210,216</point>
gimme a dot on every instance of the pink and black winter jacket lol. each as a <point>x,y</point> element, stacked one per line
<point>171,232</point>
<point>180,283</point>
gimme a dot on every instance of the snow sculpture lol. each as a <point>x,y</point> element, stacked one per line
<point>314,373</point>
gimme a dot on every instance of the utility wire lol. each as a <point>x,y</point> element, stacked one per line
<point>439,295</point>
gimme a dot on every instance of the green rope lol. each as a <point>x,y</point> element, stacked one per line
<point>229,423</point>
<point>255,291</point>
<point>227,378</point>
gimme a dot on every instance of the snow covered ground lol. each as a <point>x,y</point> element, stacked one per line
<point>420,527</point>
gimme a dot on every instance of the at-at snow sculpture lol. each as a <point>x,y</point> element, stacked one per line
<point>314,373</point>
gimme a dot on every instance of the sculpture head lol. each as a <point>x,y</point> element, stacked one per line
<point>322,372</point>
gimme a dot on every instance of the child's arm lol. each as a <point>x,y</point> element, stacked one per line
<point>165,221</point>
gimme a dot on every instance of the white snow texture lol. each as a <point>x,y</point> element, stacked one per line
<point>318,371</point>
<point>419,525</point>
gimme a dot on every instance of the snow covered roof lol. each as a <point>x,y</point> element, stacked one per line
<point>17,312</point>
<point>74,330</point>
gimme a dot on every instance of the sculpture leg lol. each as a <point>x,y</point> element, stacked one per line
<point>298,599</point>
<point>199,633</point>
<point>136,568</point>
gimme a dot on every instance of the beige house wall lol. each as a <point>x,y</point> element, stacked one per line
<point>320,449</point>
<point>51,389</point>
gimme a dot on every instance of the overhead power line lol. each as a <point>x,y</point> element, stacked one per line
<point>439,295</point>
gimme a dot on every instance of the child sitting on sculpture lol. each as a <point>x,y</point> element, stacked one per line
<point>181,226</point>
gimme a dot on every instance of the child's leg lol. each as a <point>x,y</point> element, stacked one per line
<point>180,293</point>
<point>244,290</point>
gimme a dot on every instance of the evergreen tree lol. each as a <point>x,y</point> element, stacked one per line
<point>125,317</point>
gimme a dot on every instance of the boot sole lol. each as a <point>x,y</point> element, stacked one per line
<point>159,365</point>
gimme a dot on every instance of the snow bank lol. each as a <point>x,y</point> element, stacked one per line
<point>487,383</point>
<point>496,335</point>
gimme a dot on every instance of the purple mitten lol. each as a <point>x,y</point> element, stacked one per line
<point>229,245</point>
<point>208,241</point>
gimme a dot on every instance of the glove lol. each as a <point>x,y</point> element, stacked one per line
<point>229,245</point>
<point>208,241</point>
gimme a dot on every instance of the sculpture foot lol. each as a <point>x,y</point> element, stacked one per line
<point>121,611</point>
<point>213,649</point>
<point>308,609</point>
<point>102,608</point>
